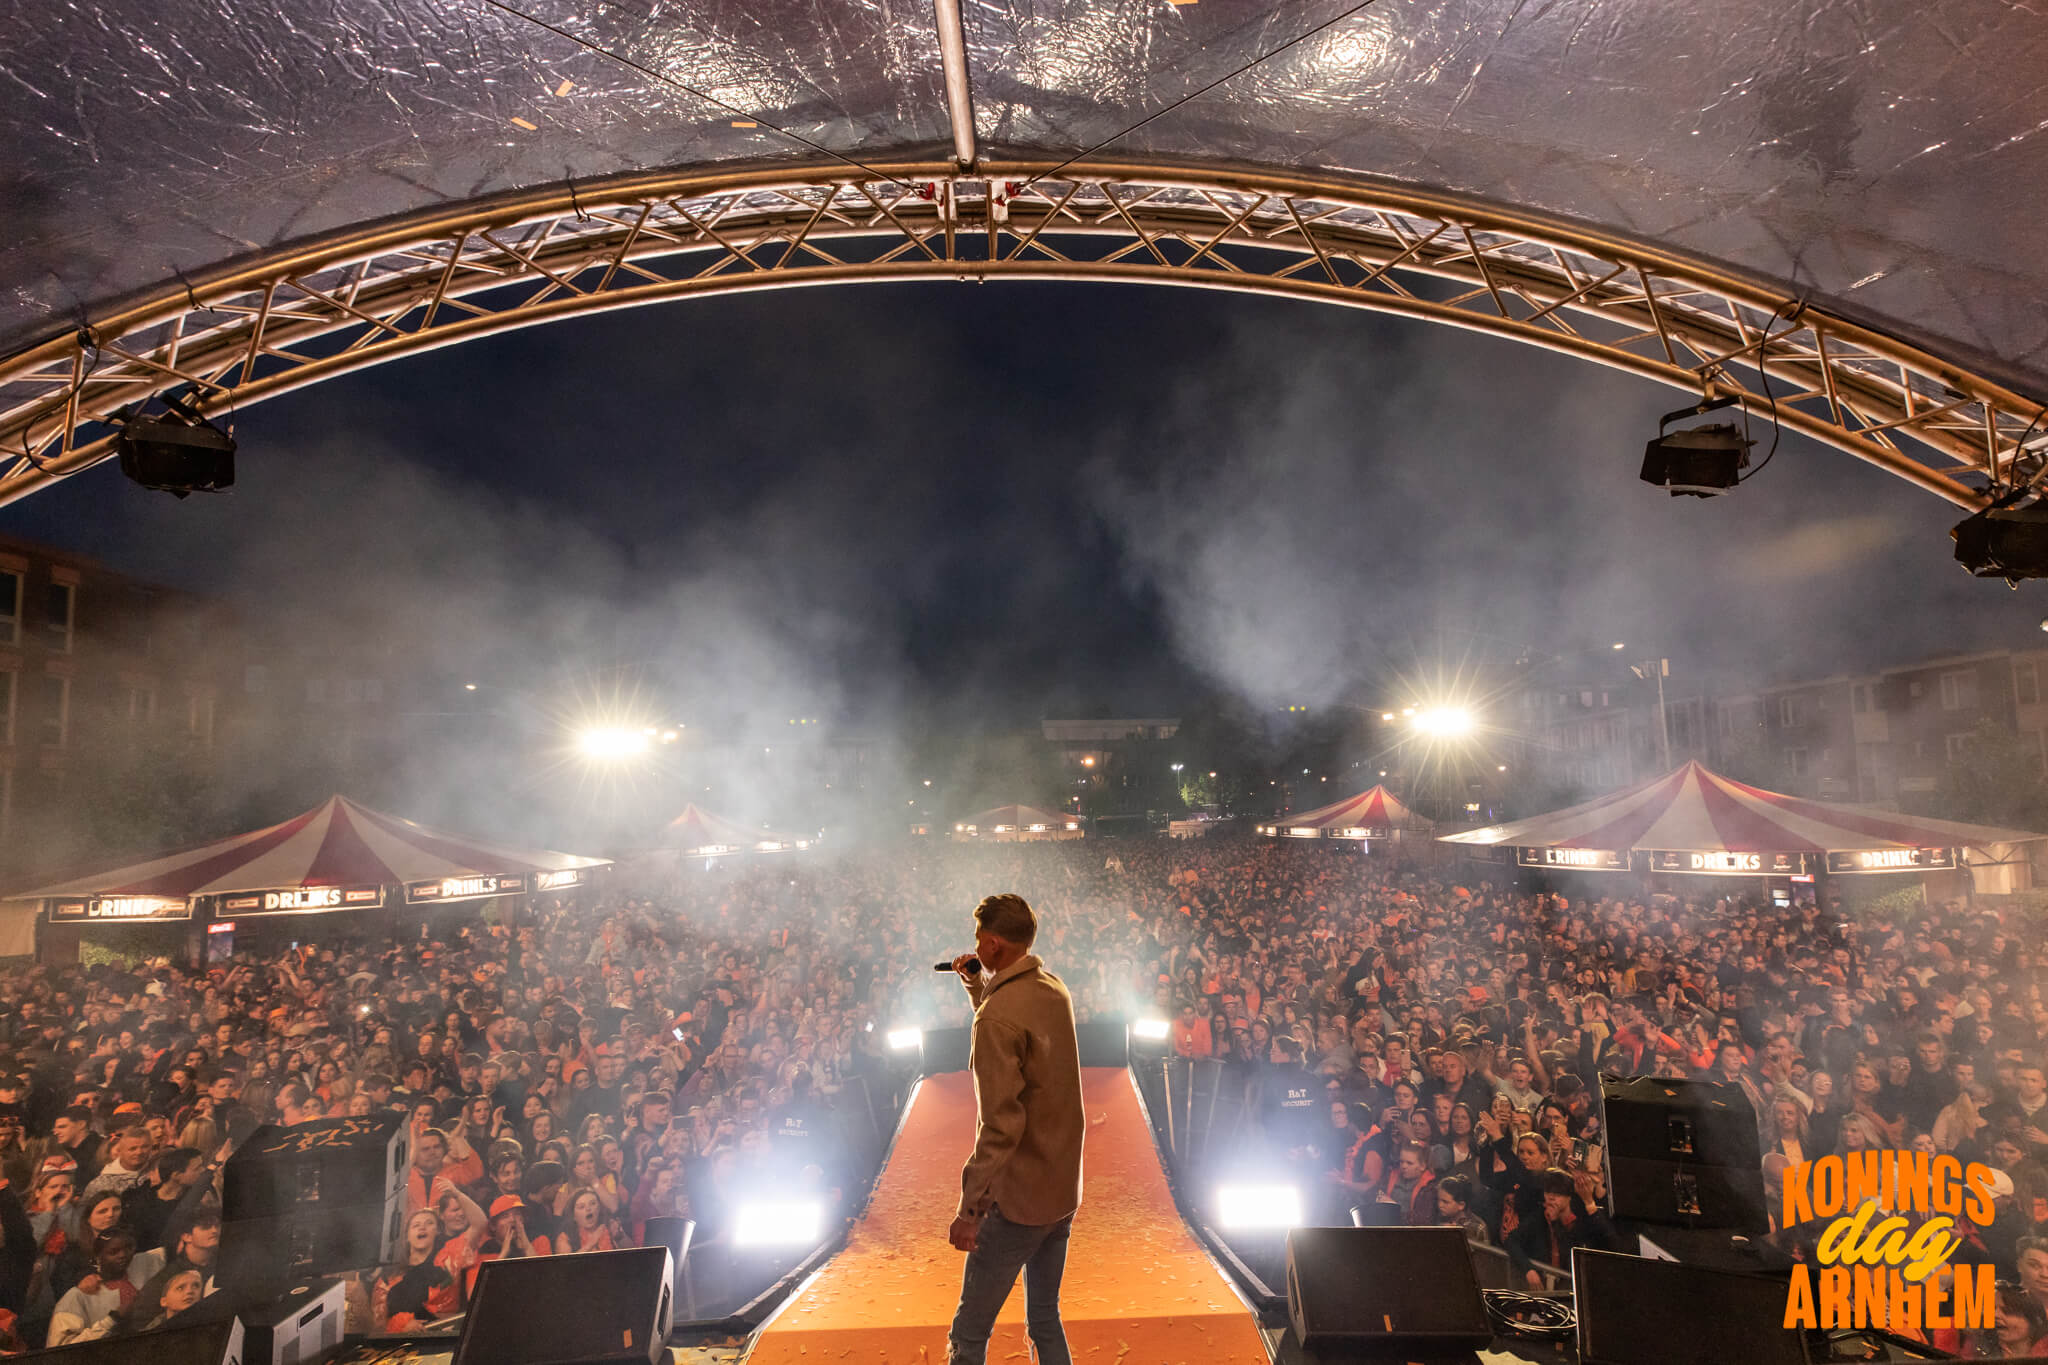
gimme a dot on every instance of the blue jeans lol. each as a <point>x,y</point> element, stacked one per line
<point>1002,1249</point>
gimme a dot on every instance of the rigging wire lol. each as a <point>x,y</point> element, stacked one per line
<point>666,79</point>
<point>1194,94</point>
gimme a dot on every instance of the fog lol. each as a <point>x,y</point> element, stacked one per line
<point>916,513</point>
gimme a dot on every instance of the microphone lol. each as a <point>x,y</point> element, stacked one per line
<point>973,965</point>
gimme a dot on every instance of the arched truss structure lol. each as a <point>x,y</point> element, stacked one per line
<point>285,320</point>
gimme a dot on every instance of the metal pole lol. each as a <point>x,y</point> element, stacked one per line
<point>1663,720</point>
<point>953,62</point>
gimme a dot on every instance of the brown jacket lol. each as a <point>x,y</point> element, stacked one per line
<point>1027,1098</point>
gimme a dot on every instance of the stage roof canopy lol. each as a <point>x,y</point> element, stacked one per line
<point>700,834</point>
<point>210,196</point>
<point>1693,810</point>
<point>338,843</point>
<point>1887,160</point>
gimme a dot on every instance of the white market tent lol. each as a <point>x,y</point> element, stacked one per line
<point>340,855</point>
<point>1018,825</point>
<point>698,833</point>
<point>1693,820</point>
<point>1373,814</point>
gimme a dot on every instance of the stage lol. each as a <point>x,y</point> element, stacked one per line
<point>1139,1290</point>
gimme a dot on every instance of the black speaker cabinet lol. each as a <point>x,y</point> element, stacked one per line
<point>1636,1311</point>
<point>945,1049</point>
<point>216,1341</point>
<point>1103,1042</point>
<point>604,1308</point>
<point>1385,1291</point>
<point>285,1168</point>
<point>1684,1153</point>
<point>310,1199</point>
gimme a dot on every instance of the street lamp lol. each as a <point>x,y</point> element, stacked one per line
<point>611,743</point>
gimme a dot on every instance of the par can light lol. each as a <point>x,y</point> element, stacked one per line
<point>1258,1206</point>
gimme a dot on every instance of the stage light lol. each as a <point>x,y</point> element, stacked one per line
<point>1621,644</point>
<point>610,743</point>
<point>2004,542</point>
<point>1443,722</point>
<point>469,687</point>
<point>1153,1030</point>
<point>1698,462</point>
<point>1258,1206</point>
<point>779,1224</point>
<point>1386,715</point>
<point>904,1039</point>
<point>180,453</point>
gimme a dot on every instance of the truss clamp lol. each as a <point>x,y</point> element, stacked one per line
<point>942,196</point>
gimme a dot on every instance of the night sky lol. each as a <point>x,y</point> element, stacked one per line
<point>988,503</point>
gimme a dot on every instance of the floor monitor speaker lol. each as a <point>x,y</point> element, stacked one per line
<point>1385,1291</point>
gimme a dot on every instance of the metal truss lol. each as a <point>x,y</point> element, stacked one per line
<point>268,325</point>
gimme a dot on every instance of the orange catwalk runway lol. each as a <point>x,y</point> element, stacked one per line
<point>1139,1289</point>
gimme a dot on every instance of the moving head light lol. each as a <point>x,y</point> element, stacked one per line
<point>1699,462</point>
<point>180,453</point>
<point>2004,542</point>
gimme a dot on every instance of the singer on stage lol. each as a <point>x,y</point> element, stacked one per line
<point>1022,1183</point>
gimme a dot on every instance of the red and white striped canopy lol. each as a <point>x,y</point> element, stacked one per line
<point>699,833</point>
<point>1375,809</point>
<point>337,843</point>
<point>1693,810</point>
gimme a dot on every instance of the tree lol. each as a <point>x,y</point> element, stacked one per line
<point>1993,781</point>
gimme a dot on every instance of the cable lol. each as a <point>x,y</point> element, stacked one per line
<point>665,79</point>
<point>1531,1316</point>
<point>1193,94</point>
<point>1763,375</point>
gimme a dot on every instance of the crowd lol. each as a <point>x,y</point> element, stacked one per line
<point>1413,1049</point>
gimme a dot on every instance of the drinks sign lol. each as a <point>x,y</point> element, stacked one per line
<point>1893,860</point>
<point>466,888</point>
<point>1726,863</point>
<point>1574,859</point>
<point>89,909</point>
<point>302,900</point>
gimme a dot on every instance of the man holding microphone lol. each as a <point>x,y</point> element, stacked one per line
<point>1022,1183</point>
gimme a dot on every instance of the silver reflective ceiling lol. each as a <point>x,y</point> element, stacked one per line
<point>1889,160</point>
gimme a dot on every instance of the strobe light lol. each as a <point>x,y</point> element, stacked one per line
<point>2004,542</point>
<point>180,453</point>
<point>1698,462</point>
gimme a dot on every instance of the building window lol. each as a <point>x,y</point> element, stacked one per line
<point>1956,746</point>
<point>1788,712</point>
<point>141,703</point>
<point>7,708</point>
<point>56,710</point>
<point>2026,684</point>
<point>1795,762</point>
<point>1915,688</point>
<point>1859,698</point>
<point>2030,745</point>
<point>10,608</point>
<point>1958,691</point>
<point>60,603</point>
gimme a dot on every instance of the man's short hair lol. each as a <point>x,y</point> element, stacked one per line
<point>1008,917</point>
<point>1557,1180</point>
